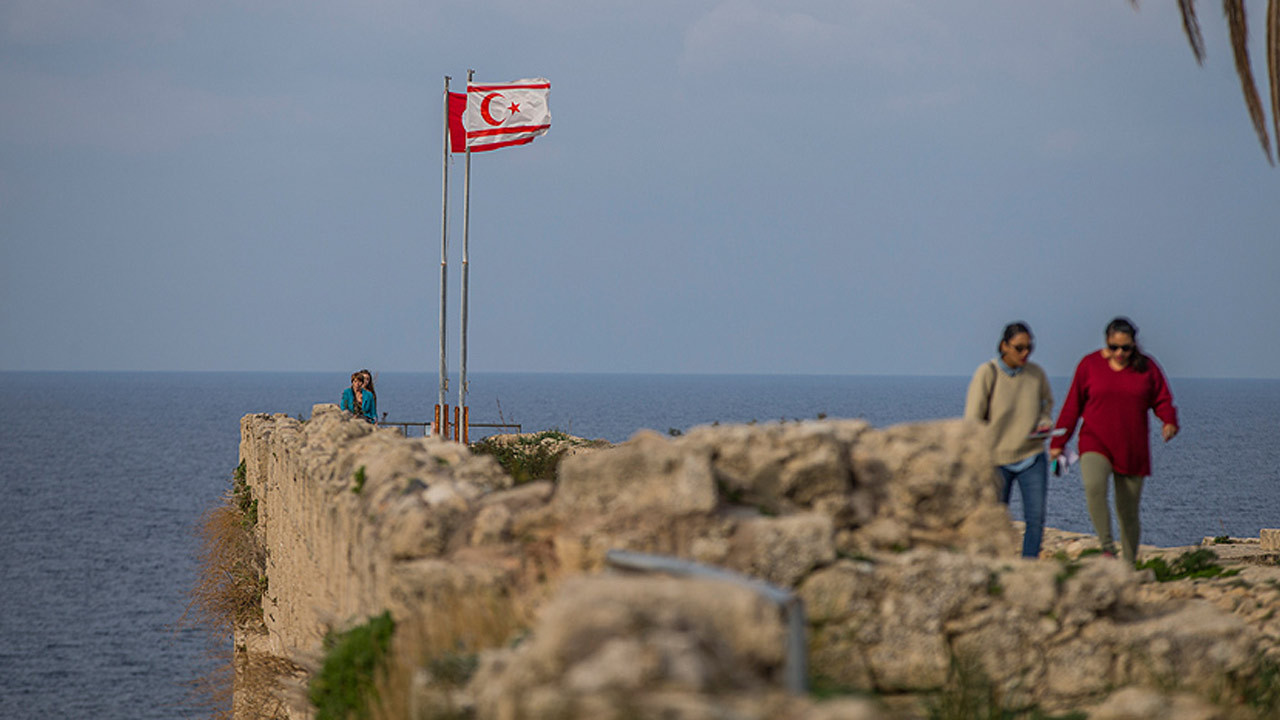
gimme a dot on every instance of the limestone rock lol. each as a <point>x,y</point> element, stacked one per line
<point>1194,645</point>
<point>936,480</point>
<point>1140,703</point>
<point>780,467</point>
<point>784,549</point>
<point>646,475</point>
<point>611,637</point>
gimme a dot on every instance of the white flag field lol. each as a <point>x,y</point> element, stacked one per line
<point>499,115</point>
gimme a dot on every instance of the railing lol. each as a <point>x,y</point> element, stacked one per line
<point>426,427</point>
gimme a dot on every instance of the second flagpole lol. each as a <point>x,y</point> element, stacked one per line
<point>466,246</point>
<point>440,421</point>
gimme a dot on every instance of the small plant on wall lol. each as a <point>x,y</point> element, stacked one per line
<point>344,687</point>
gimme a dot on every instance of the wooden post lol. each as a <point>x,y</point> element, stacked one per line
<point>466,425</point>
<point>456,412</point>
<point>444,431</point>
<point>435,421</point>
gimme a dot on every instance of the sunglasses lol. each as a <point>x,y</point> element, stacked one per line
<point>1023,348</point>
<point>1119,348</point>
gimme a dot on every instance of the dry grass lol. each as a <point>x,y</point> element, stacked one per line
<point>226,597</point>
<point>231,575</point>
<point>260,686</point>
<point>434,653</point>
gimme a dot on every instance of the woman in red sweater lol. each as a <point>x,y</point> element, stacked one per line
<point>1112,391</point>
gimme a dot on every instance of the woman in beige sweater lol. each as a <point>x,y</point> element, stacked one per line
<point>1011,396</point>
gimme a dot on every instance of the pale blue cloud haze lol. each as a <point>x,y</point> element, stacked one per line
<point>814,186</point>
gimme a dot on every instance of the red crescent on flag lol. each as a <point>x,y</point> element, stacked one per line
<point>484,108</point>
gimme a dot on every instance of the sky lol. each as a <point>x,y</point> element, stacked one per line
<point>736,186</point>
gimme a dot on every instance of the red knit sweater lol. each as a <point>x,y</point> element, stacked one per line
<point>1114,407</point>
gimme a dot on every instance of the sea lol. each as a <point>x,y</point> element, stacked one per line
<point>104,477</point>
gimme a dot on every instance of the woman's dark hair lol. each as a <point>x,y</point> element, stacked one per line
<point>1013,330</point>
<point>368,383</point>
<point>1122,324</point>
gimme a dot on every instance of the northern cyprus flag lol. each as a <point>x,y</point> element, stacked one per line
<point>501,115</point>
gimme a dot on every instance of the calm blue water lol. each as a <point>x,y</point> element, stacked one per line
<point>104,476</point>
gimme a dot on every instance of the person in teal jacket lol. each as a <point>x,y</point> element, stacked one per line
<point>360,399</point>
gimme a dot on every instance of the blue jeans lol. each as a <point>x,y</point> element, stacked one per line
<point>1033,483</point>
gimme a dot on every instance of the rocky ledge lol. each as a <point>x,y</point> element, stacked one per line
<point>916,602</point>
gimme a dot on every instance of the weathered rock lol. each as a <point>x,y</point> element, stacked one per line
<point>780,467</point>
<point>606,638</point>
<point>646,475</point>
<point>1140,703</point>
<point>936,480</point>
<point>1193,645</point>
<point>784,549</point>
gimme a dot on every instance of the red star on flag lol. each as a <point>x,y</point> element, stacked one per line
<point>515,108</point>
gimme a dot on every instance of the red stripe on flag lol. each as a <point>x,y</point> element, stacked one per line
<point>457,131</point>
<point>497,145</point>
<point>506,131</point>
<point>488,88</point>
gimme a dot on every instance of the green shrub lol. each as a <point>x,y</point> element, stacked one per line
<point>529,458</point>
<point>242,497</point>
<point>1198,563</point>
<point>344,687</point>
<point>358,480</point>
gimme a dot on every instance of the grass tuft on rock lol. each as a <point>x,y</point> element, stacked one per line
<point>344,687</point>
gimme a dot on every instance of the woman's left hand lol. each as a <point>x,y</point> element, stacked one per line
<point>1169,430</point>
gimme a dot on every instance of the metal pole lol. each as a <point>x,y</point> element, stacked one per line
<point>444,246</point>
<point>466,268</point>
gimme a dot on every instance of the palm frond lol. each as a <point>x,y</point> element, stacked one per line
<point>1273,62</point>
<point>1239,28</point>
<point>1192,27</point>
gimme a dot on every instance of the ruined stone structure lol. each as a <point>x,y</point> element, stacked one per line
<point>893,538</point>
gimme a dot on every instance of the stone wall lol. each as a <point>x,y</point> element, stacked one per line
<point>893,538</point>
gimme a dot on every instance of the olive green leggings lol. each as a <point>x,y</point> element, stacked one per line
<point>1094,469</point>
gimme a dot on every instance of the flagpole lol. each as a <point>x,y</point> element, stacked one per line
<point>466,272</point>
<point>444,266</point>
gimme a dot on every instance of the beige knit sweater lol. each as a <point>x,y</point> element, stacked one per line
<point>1012,408</point>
